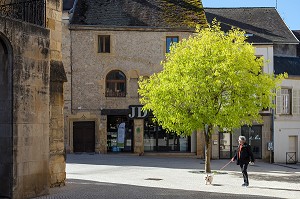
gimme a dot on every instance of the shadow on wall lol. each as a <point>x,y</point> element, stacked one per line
<point>6,149</point>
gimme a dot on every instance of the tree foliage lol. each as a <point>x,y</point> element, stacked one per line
<point>212,78</point>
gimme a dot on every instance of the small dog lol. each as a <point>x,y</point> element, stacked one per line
<point>208,178</point>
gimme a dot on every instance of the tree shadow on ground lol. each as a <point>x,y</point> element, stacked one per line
<point>76,188</point>
<point>271,188</point>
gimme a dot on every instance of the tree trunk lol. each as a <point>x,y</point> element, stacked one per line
<point>207,150</point>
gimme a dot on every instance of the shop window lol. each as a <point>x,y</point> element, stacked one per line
<point>157,139</point>
<point>225,140</point>
<point>103,44</point>
<point>119,140</point>
<point>283,101</point>
<point>169,41</point>
<point>253,136</point>
<point>115,84</point>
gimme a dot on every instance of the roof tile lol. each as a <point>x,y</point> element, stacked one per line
<point>265,24</point>
<point>136,13</point>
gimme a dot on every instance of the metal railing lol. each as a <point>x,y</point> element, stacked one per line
<point>31,11</point>
<point>110,93</point>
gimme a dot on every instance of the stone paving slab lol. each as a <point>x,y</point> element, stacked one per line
<point>127,176</point>
<point>88,189</point>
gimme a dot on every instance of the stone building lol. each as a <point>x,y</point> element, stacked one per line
<point>112,44</point>
<point>31,98</point>
<point>274,41</point>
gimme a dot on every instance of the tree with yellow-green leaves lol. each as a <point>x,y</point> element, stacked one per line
<point>210,80</point>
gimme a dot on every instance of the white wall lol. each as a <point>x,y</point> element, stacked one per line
<point>284,129</point>
<point>267,52</point>
<point>285,126</point>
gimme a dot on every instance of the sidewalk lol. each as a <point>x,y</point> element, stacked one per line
<point>182,175</point>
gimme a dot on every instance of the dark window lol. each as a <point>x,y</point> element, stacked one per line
<point>123,143</point>
<point>253,136</point>
<point>68,4</point>
<point>169,41</point>
<point>103,44</point>
<point>115,84</point>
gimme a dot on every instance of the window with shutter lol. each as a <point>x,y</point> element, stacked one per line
<point>296,102</point>
<point>283,101</point>
<point>286,101</point>
<point>278,102</point>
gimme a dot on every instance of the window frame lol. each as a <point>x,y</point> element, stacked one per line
<point>172,38</point>
<point>103,42</point>
<point>284,101</point>
<point>116,83</point>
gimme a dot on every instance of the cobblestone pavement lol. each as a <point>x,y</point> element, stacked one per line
<point>127,176</point>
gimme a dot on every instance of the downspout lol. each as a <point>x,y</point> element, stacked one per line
<point>71,63</point>
<point>272,136</point>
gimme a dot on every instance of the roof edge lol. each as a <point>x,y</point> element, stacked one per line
<point>238,7</point>
<point>131,28</point>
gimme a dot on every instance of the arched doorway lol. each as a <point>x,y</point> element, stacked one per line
<point>6,138</point>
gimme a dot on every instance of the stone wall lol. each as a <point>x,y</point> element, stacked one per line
<point>35,122</point>
<point>30,45</point>
<point>6,145</point>
<point>266,137</point>
<point>136,53</point>
<point>57,149</point>
<point>57,78</point>
<point>66,53</point>
<point>128,54</point>
<point>138,136</point>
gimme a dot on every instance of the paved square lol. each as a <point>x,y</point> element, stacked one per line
<point>130,176</point>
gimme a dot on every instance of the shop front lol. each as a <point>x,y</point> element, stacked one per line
<point>136,131</point>
<point>253,135</point>
<point>119,133</point>
<point>229,141</point>
<point>157,139</point>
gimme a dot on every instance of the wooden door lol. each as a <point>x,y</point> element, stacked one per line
<point>84,136</point>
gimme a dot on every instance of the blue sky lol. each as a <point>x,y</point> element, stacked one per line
<point>289,10</point>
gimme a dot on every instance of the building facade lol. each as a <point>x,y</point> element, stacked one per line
<point>271,38</point>
<point>287,112</point>
<point>31,80</point>
<point>108,56</point>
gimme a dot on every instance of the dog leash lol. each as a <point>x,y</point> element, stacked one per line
<point>226,165</point>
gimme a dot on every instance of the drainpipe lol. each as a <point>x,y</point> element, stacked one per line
<point>272,135</point>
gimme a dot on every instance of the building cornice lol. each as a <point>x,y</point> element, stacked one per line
<point>133,28</point>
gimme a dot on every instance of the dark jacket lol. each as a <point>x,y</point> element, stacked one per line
<point>245,156</point>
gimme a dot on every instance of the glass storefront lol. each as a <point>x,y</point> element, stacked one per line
<point>156,139</point>
<point>229,141</point>
<point>119,134</point>
<point>228,144</point>
<point>225,145</point>
<point>253,135</point>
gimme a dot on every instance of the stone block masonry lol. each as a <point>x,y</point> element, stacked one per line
<point>29,83</point>
<point>32,155</point>
<point>57,78</point>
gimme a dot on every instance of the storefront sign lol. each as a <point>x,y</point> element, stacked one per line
<point>137,112</point>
